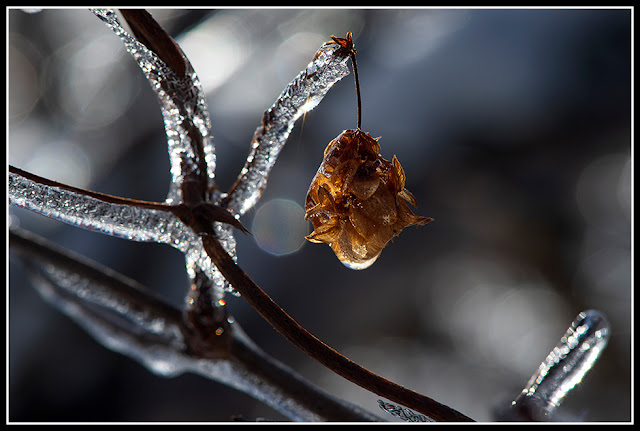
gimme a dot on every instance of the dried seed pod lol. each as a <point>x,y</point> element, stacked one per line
<point>357,201</point>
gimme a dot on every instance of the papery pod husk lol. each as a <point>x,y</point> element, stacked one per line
<point>357,201</point>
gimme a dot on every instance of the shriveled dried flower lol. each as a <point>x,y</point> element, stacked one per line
<point>357,202</point>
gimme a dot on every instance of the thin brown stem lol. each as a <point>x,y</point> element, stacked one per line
<point>355,75</point>
<point>317,349</point>
<point>347,44</point>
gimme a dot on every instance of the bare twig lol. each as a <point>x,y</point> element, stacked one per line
<point>315,348</point>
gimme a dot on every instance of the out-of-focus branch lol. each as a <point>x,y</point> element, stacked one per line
<point>91,283</point>
<point>127,318</point>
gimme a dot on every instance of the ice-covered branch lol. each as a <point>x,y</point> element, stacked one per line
<point>187,126</point>
<point>127,218</point>
<point>123,218</point>
<point>127,318</point>
<point>89,211</point>
<point>97,297</point>
<point>182,102</point>
<point>328,66</point>
<point>563,368</point>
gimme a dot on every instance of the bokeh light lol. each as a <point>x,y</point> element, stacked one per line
<point>217,49</point>
<point>24,91</point>
<point>279,227</point>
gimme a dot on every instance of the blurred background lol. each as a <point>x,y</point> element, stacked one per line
<point>514,131</point>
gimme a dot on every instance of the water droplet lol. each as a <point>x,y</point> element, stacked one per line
<point>360,265</point>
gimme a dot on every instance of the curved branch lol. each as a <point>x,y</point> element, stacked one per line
<point>182,102</point>
<point>317,349</point>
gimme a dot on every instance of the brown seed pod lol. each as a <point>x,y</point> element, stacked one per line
<point>357,201</point>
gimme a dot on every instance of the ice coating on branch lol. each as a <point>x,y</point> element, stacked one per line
<point>402,413</point>
<point>196,256</point>
<point>124,221</point>
<point>96,292</point>
<point>183,105</point>
<point>184,110</point>
<point>301,95</point>
<point>156,344</point>
<point>564,367</point>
